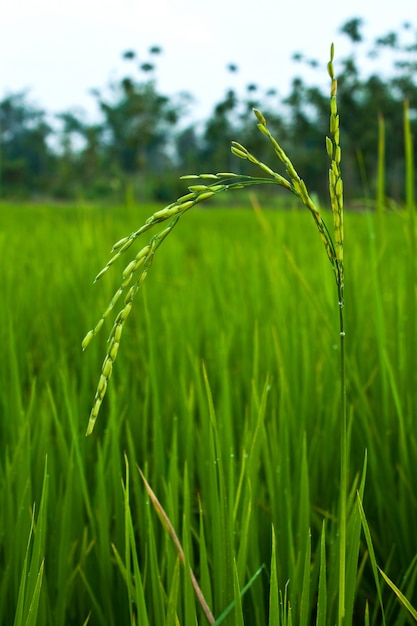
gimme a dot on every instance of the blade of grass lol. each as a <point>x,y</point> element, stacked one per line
<point>380,190</point>
<point>246,588</point>
<point>171,617</point>
<point>127,538</point>
<point>205,580</point>
<point>32,574</point>
<point>221,516</point>
<point>371,556</point>
<point>19,620</point>
<point>305,589</point>
<point>367,614</point>
<point>322,591</point>
<point>133,582</point>
<point>171,531</point>
<point>274,613</point>
<point>189,603</point>
<point>404,601</point>
<point>97,610</point>
<point>136,594</point>
<point>353,546</point>
<point>237,598</point>
<point>32,617</point>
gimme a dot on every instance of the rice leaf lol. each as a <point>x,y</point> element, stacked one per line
<point>274,613</point>
<point>371,556</point>
<point>322,591</point>
<point>404,601</point>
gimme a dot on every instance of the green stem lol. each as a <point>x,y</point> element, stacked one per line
<point>343,462</point>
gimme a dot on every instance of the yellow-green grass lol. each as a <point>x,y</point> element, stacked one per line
<point>244,460</point>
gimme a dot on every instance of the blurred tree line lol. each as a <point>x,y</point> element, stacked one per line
<point>141,144</point>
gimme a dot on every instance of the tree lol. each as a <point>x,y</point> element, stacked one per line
<point>81,161</point>
<point>142,141</point>
<point>362,100</point>
<point>25,156</point>
<point>139,123</point>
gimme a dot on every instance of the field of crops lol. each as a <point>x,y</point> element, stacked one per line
<point>226,395</point>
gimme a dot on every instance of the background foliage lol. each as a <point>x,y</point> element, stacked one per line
<point>143,140</point>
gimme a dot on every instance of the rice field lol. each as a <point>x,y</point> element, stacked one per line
<point>226,395</point>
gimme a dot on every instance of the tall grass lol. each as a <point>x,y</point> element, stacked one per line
<point>252,476</point>
<point>227,396</point>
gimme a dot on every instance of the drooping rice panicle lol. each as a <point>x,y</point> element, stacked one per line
<point>137,269</point>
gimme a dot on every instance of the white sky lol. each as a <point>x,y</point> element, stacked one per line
<point>61,49</point>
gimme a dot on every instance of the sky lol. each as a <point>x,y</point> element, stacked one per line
<point>59,51</point>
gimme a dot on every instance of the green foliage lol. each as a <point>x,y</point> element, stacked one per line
<point>240,292</point>
<point>33,567</point>
<point>25,156</point>
<point>261,511</point>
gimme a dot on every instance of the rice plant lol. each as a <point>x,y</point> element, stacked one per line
<point>227,397</point>
<point>210,185</point>
<point>135,273</point>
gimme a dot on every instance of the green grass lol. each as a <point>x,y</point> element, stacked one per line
<point>226,394</point>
